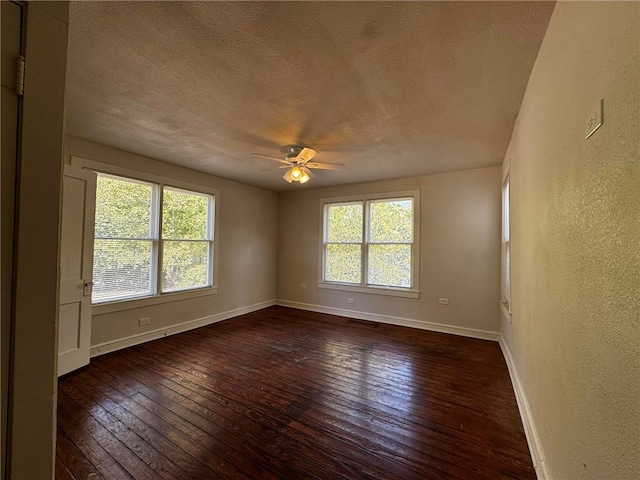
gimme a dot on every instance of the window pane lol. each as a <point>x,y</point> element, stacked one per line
<point>507,272</point>
<point>344,223</point>
<point>342,263</point>
<point>390,265</point>
<point>184,265</point>
<point>184,215</point>
<point>391,221</point>
<point>121,269</point>
<point>506,232</point>
<point>123,208</point>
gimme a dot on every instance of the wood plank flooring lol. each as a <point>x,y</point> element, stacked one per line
<point>289,394</point>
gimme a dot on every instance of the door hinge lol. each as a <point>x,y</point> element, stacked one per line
<point>20,75</point>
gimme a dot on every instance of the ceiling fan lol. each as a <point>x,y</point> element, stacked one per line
<point>298,162</point>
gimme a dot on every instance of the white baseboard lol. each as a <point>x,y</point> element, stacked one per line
<point>137,339</point>
<point>530,430</point>
<point>403,322</point>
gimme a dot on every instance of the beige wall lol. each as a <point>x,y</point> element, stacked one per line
<point>575,331</point>
<point>460,251</point>
<point>247,230</point>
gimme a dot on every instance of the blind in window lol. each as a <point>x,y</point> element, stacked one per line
<point>123,245</point>
<point>506,240</point>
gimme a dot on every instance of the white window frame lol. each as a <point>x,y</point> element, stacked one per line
<point>158,297</point>
<point>153,237</point>
<point>505,275</point>
<point>210,238</point>
<point>364,287</point>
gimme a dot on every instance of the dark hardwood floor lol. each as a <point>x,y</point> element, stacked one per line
<point>289,394</point>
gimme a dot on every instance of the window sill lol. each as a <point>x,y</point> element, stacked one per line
<point>506,310</point>
<point>120,305</point>
<point>394,292</point>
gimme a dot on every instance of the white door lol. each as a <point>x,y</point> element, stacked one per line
<point>76,268</point>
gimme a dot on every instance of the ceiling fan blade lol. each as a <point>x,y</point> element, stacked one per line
<point>325,166</point>
<point>305,155</point>
<point>307,171</point>
<point>287,176</point>
<point>270,158</point>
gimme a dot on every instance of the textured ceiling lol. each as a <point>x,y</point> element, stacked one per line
<point>388,89</point>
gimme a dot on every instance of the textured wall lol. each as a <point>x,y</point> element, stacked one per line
<point>247,232</point>
<point>575,334</point>
<point>459,251</point>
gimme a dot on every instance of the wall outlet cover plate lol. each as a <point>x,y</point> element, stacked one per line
<point>595,119</point>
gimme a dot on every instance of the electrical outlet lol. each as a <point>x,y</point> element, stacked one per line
<point>350,300</point>
<point>303,285</point>
<point>144,321</point>
<point>443,301</point>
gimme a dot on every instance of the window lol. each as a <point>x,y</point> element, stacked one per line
<point>370,244</point>
<point>186,240</point>
<point>123,248</point>
<point>389,244</point>
<point>343,243</point>
<point>506,248</point>
<point>150,239</point>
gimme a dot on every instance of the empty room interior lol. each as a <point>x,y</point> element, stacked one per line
<point>318,240</point>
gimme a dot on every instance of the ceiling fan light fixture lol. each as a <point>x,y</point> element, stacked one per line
<point>306,174</point>
<point>296,173</point>
<point>298,164</point>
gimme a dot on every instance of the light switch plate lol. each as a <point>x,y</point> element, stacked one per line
<point>595,119</point>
